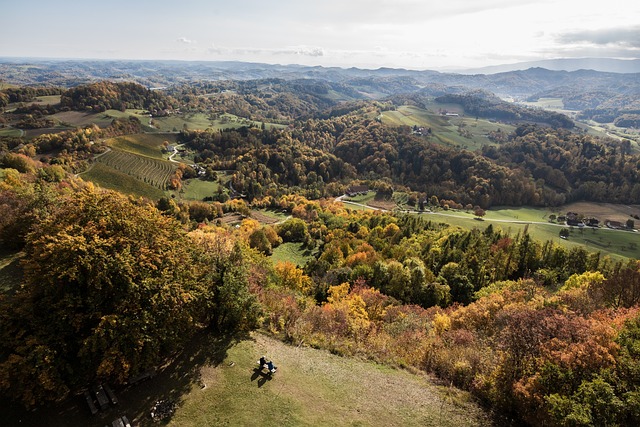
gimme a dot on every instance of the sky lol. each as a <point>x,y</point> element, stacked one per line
<point>414,34</point>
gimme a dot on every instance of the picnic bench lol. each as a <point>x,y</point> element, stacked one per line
<point>110,394</point>
<point>89,399</point>
<point>101,396</point>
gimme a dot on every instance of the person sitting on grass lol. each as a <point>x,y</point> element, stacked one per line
<point>262,362</point>
<point>271,367</point>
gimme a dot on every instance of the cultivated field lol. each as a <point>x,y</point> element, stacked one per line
<point>78,119</point>
<point>146,144</point>
<point>267,216</point>
<point>108,177</point>
<point>153,172</point>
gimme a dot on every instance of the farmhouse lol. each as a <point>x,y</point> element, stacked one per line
<point>573,219</point>
<point>616,225</point>
<point>591,222</point>
<point>356,190</point>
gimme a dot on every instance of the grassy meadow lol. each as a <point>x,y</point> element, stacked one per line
<point>315,388</point>
<point>198,189</point>
<point>10,271</point>
<point>10,132</point>
<point>292,252</point>
<point>446,130</point>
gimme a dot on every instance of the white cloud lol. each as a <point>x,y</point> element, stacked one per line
<point>625,37</point>
<point>185,40</point>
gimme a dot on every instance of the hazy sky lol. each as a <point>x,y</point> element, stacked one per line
<point>419,34</point>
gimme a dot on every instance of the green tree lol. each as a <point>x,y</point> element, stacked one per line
<point>258,240</point>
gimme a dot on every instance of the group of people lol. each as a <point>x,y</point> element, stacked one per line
<point>264,363</point>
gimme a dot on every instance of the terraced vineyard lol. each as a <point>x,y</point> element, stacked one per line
<point>154,172</point>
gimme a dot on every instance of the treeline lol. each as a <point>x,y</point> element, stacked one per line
<point>268,161</point>
<point>379,151</point>
<point>572,166</point>
<point>268,100</point>
<point>105,95</point>
<point>535,166</point>
<point>28,94</point>
<point>484,104</point>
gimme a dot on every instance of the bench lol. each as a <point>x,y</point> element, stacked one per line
<point>110,394</point>
<point>143,376</point>
<point>101,396</point>
<point>92,406</point>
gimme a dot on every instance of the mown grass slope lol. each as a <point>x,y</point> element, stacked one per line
<point>315,388</point>
<point>214,382</point>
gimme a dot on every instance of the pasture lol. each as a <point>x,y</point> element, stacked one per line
<point>47,100</point>
<point>198,189</point>
<point>461,131</point>
<point>10,132</point>
<point>553,104</point>
<point>10,270</point>
<point>193,121</point>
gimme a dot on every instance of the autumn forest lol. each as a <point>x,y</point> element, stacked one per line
<point>104,283</point>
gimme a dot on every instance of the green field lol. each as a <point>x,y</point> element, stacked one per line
<point>616,244</point>
<point>315,388</point>
<point>446,129</point>
<point>108,177</point>
<point>47,100</point>
<point>147,144</point>
<point>198,189</point>
<point>553,104</point>
<point>11,132</point>
<point>362,198</point>
<point>202,121</point>
<point>292,252</point>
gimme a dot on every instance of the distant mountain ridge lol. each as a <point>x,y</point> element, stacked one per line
<point>605,97</point>
<point>606,65</point>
